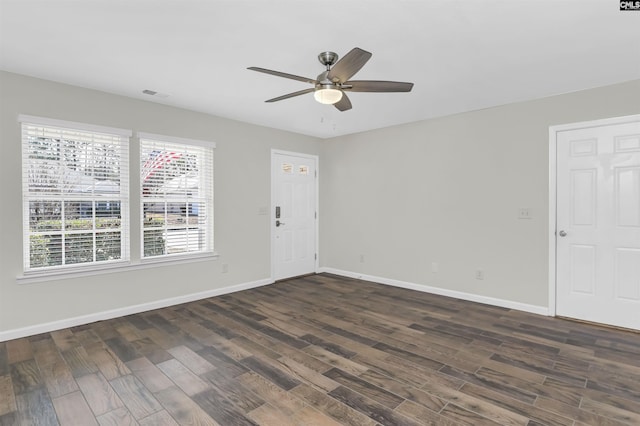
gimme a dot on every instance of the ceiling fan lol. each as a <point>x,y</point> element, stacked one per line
<point>330,85</point>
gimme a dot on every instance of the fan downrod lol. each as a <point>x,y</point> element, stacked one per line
<point>328,59</point>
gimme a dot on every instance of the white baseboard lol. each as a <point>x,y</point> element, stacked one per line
<point>128,310</point>
<point>134,309</point>
<point>534,309</point>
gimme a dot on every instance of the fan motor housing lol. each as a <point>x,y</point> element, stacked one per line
<point>328,58</point>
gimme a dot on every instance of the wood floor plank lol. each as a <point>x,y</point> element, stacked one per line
<point>99,394</point>
<point>72,409</point>
<point>4,362</point>
<point>7,397</point>
<point>46,352</point>
<point>129,332</point>
<point>184,409</point>
<point>219,408</point>
<point>466,417</point>
<point>190,383</point>
<point>25,376</point>
<point>276,375</point>
<point>191,360</point>
<point>329,346</point>
<point>370,408</point>
<point>271,393</point>
<point>35,407</point>
<point>64,339</point>
<point>233,390</point>
<point>575,413</point>
<point>161,418</point>
<point>10,419</point>
<point>423,415</point>
<point>109,364</point>
<point>150,375</point>
<point>376,393</point>
<point>623,391</point>
<point>138,399</point>
<point>118,417</point>
<point>235,351</point>
<point>222,361</point>
<point>305,374</point>
<point>610,411</point>
<point>407,392</point>
<point>309,416</point>
<point>332,407</point>
<point>335,360</point>
<point>19,350</point>
<point>58,379</point>
<point>79,361</point>
<point>269,415</point>
<point>405,371</point>
<point>123,349</point>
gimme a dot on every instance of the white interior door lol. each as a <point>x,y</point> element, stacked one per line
<point>598,224</point>
<point>293,214</point>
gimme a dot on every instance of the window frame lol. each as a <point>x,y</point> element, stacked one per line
<point>122,197</point>
<point>208,225</point>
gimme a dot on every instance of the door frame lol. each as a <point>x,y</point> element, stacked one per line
<point>272,213</point>
<point>553,171</point>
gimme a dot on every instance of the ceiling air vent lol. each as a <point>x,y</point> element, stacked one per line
<point>154,93</point>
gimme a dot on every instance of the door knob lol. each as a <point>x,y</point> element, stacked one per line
<point>278,223</point>
<point>562,233</point>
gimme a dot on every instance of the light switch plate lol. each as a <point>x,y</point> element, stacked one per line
<point>524,213</point>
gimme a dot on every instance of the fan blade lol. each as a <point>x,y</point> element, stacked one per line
<point>377,86</point>
<point>291,95</point>
<point>350,64</point>
<point>344,103</point>
<point>283,74</point>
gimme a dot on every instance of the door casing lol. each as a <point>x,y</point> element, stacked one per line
<point>553,170</point>
<point>272,217</point>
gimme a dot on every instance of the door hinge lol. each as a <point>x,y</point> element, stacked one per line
<point>315,173</point>
<point>315,256</point>
<point>315,215</point>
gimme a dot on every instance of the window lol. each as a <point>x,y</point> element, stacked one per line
<point>176,194</point>
<point>75,194</point>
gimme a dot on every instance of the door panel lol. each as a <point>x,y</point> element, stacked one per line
<point>627,264</point>
<point>627,196</point>
<point>598,223</point>
<point>583,197</point>
<point>583,269</point>
<point>294,192</point>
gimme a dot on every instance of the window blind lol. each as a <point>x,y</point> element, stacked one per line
<point>176,193</point>
<point>75,195</point>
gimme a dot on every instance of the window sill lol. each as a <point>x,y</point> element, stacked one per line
<point>34,277</point>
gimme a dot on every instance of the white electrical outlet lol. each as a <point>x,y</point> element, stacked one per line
<point>362,258</point>
<point>225,268</point>
<point>479,274</point>
<point>434,267</point>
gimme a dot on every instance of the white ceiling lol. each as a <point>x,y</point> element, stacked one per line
<point>461,55</point>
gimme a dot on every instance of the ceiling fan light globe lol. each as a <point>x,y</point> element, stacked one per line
<point>328,96</point>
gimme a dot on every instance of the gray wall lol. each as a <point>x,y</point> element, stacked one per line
<point>448,191</point>
<point>445,190</point>
<point>242,186</point>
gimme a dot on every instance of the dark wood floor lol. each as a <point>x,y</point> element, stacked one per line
<point>324,350</point>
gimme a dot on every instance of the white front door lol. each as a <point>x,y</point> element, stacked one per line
<point>293,214</point>
<point>598,224</point>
